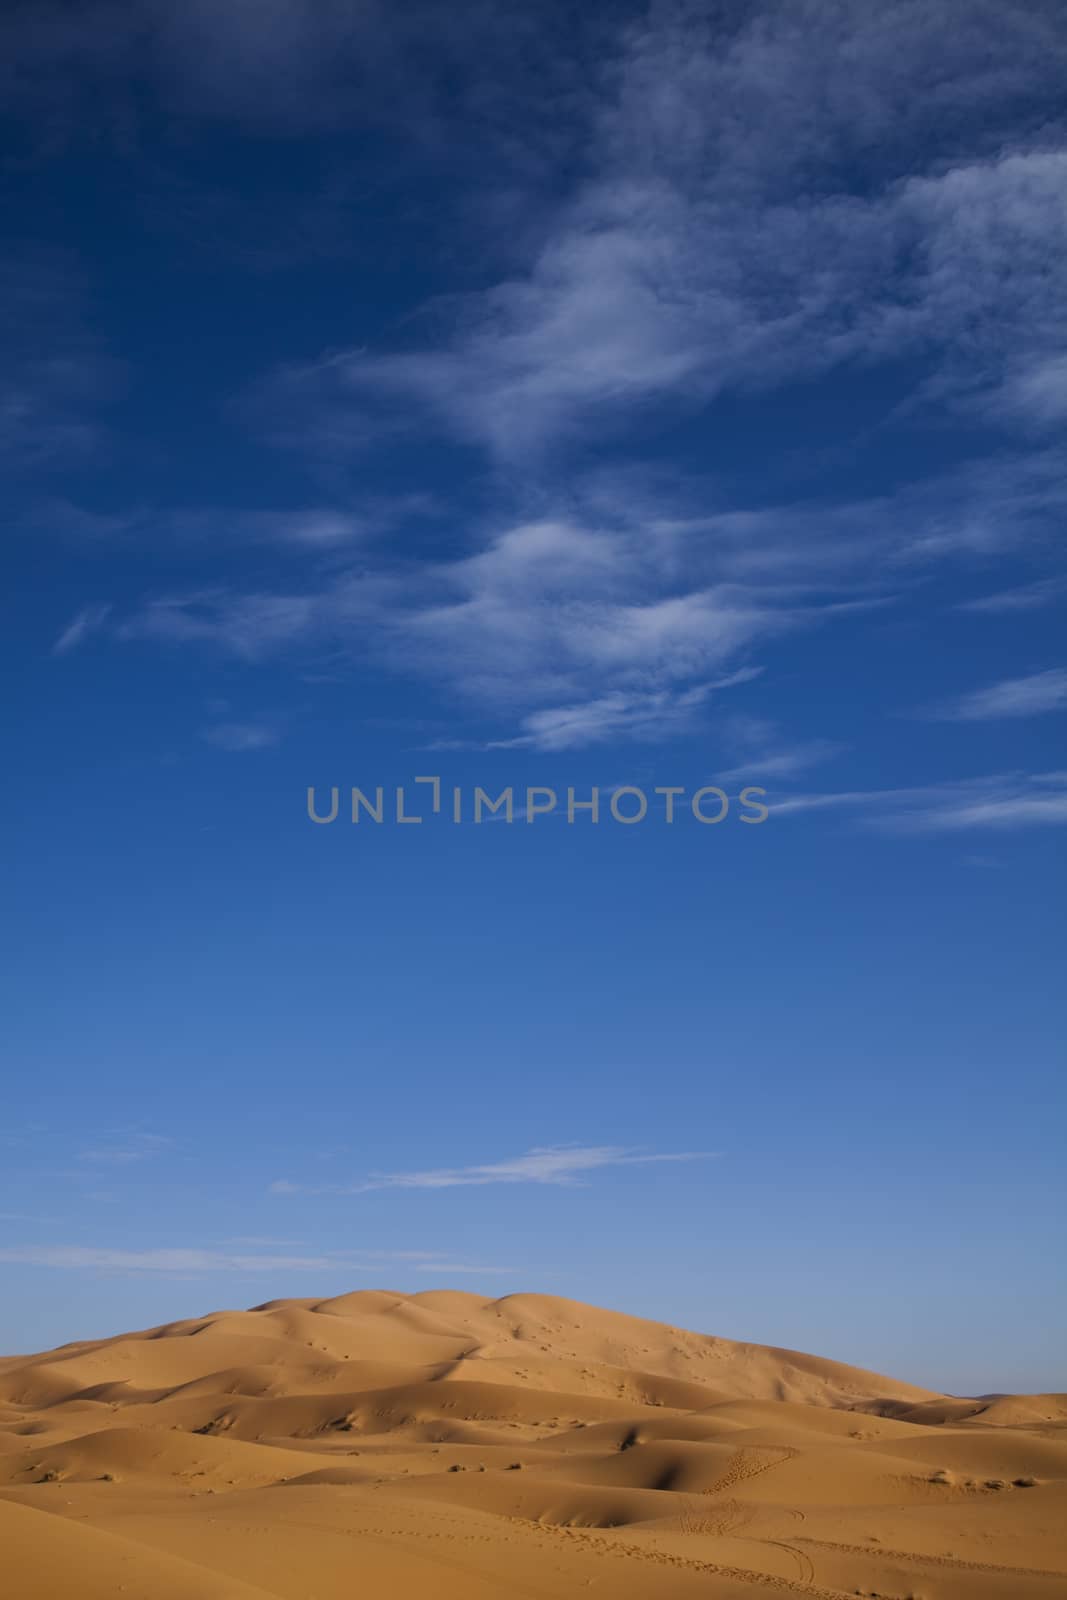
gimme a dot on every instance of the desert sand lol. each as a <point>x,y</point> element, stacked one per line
<point>443,1445</point>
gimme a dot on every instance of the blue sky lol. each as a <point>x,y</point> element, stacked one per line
<point>667,397</point>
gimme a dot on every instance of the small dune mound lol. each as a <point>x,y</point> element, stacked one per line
<point>139,1453</point>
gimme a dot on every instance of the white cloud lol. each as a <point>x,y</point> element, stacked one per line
<point>616,715</point>
<point>312,528</point>
<point>760,200</point>
<point>645,292</point>
<point>192,1262</point>
<point>586,632</point>
<point>1038,393</point>
<point>552,1164</point>
<point>1004,802</point>
<point>242,736</point>
<point>1022,597</point>
<point>1014,697</point>
<point>783,762</point>
<point>305,531</point>
<point>451,1269</point>
<point>714,242</point>
<point>618,619</point>
<point>560,613</point>
<point>167,1261</point>
<point>87,621</point>
<point>248,625</point>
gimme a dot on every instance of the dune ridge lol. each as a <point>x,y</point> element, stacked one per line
<point>445,1444</point>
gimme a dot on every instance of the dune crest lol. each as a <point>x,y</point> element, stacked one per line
<point>445,1444</point>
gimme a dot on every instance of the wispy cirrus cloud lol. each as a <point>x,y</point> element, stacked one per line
<point>309,528</point>
<point>766,753</point>
<point>194,1262</point>
<point>1005,802</point>
<point>87,621</point>
<point>538,615</point>
<point>784,762</point>
<point>248,625</point>
<point>773,197</point>
<point>1031,696</point>
<point>557,611</point>
<point>637,299</point>
<point>611,622</point>
<point>180,1261</point>
<point>1020,597</point>
<point>302,532</point>
<point>239,737</point>
<point>652,716</point>
<point>713,241</point>
<point>1037,394</point>
<point>126,1148</point>
<point>550,1164</point>
<point>581,631</point>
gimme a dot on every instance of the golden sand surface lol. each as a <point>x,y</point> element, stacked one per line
<point>442,1446</point>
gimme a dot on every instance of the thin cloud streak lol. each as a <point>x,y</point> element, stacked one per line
<point>450,1269</point>
<point>239,737</point>
<point>89,620</point>
<point>1006,802</point>
<point>1024,597</point>
<point>127,1149</point>
<point>783,763</point>
<point>655,716</point>
<point>1014,697</point>
<point>551,1164</point>
<point>186,1262</point>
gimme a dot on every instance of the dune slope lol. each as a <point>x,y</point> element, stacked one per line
<point>445,1445</point>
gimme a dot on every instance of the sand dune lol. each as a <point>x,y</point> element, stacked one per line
<point>444,1445</point>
